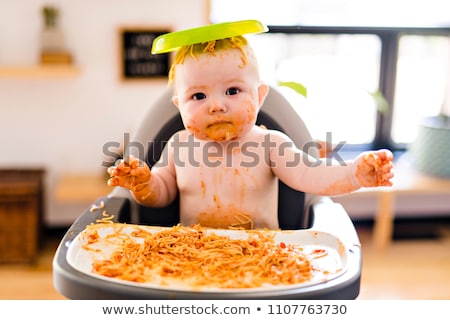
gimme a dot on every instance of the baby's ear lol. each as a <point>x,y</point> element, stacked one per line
<point>263,90</point>
<point>175,100</point>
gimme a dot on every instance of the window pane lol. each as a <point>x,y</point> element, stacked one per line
<point>334,12</point>
<point>422,73</point>
<point>339,71</point>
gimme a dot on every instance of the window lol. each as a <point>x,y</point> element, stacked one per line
<point>339,70</point>
<point>345,50</point>
<point>423,71</point>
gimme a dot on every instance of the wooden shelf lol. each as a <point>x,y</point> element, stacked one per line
<point>39,71</point>
<point>83,188</point>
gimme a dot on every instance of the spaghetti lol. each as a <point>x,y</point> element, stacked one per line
<point>197,257</point>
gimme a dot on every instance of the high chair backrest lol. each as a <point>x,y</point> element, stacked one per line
<point>163,120</point>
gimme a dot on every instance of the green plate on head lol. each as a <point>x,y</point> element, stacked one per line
<point>172,41</point>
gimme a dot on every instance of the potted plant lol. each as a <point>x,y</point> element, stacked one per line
<point>430,150</point>
<point>52,39</point>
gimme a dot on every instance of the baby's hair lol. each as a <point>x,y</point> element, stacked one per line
<point>194,50</point>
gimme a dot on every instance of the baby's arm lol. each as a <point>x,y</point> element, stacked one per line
<point>156,187</point>
<point>326,177</point>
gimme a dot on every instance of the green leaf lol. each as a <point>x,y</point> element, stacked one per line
<point>380,101</point>
<point>297,87</point>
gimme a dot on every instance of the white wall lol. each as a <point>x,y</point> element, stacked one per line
<point>62,124</point>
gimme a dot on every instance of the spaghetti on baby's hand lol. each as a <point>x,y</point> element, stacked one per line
<point>131,173</point>
<point>374,168</point>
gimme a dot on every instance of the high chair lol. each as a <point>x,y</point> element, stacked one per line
<point>296,211</point>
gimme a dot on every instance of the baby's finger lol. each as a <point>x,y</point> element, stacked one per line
<point>130,163</point>
<point>127,182</point>
<point>123,182</point>
<point>385,155</point>
<point>130,160</point>
<point>120,170</point>
<point>133,164</point>
<point>112,171</point>
<point>386,179</point>
<point>113,182</point>
<point>387,166</point>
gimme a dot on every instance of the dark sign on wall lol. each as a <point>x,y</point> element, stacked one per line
<point>137,61</point>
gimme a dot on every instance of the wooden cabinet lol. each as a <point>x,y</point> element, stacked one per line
<point>21,211</point>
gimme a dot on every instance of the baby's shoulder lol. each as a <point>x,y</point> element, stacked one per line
<point>260,133</point>
<point>182,135</point>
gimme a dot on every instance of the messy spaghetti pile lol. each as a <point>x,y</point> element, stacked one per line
<point>197,258</point>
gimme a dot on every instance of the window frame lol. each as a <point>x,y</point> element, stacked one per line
<point>389,38</point>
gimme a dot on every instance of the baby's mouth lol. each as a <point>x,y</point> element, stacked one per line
<point>221,130</point>
<point>219,122</point>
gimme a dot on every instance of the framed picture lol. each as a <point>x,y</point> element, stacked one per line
<point>136,60</point>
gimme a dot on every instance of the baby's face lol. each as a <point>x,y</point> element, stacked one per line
<point>218,97</point>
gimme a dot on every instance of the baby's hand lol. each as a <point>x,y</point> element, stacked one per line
<point>374,168</point>
<point>131,173</point>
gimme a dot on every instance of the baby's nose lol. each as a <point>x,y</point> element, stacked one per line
<point>217,107</point>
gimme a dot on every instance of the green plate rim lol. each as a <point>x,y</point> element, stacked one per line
<point>172,41</point>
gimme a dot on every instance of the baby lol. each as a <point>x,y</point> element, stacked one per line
<point>228,176</point>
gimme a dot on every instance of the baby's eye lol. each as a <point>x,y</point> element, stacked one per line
<point>198,96</point>
<point>232,91</point>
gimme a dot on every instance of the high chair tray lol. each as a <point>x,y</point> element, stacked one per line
<point>328,254</point>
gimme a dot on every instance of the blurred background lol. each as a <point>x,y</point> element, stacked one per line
<point>73,87</point>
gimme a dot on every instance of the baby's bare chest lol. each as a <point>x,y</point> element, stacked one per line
<point>225,167</point>
<point>213,171</point>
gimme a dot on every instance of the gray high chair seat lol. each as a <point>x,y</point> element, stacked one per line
<point>296,210</point>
